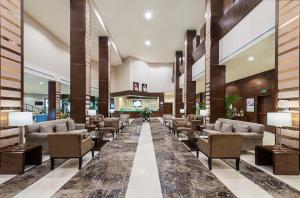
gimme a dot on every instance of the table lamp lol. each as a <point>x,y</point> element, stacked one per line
<point>90,113</point>
<point>204,114</point>
<point>182,111</point>
<point>279,120</point>
<point>111,111</point>
<point>20,119</point>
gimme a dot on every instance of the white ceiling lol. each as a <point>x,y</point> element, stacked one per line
<point>171,18</point>
<point>54,15</point>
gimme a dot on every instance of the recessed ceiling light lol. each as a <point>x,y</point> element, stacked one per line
<point>147,43</point>
<point>41,83</point>
<point>148,15</point>
<point>251,58</point>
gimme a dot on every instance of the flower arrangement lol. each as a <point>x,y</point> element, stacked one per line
<point>146,113</point>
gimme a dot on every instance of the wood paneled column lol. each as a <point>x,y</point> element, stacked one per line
<point>178,91</point>
<point>189,84</point>
<point>80,59</point>
<point>11,67</point>
<point>104,76</point>
<point>214,73</point>
<point>54,100</point>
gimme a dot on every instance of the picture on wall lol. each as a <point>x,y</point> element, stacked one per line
<point>250,105</point>
<point>137,103</point>
<point>136,86</point>
<point>144,87</point>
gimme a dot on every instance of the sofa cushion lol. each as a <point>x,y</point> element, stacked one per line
<point>61,128</point>
<point>218,125</point>
<point>36,135</point>
<point>33,128</point>
<point>241,128</point>
<point>208,131</point>
<point>250,135</point>
<point>227,127</point>
<point>46,128</point>
<point>181,123</point>
<point>109,123</point>
<point>71,125</point>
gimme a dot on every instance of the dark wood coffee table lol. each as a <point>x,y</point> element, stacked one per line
<point>285,161</point>
<point>192,145</point>
<point>14,158</point>
<point>98,140</point>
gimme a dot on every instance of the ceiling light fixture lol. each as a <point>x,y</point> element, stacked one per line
<point>41,83</point>
<point>147,43</point>
<point>148,15</point>
<point>251,58</point>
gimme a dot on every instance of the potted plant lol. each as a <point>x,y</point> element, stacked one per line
<point>146,113</point>
<point>229,101</point>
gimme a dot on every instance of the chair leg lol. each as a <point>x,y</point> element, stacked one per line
<point>52,162</point>
<point>80,163</point>
<point>177,135</point>
<point>209,163</point>
<point>237,164</point>
<point>197,154</point>
<point>93,152</point>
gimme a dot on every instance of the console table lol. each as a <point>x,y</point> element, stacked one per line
<point>285,161</point>
<point>14,158</point>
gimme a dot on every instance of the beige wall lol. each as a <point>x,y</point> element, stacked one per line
<point>125,103</point>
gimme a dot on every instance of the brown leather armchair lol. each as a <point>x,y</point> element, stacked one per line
<point>110,125</point>
<point>223,146</point>
<point>69,145</point>
<point>181,125</point>
<point>195,120</point>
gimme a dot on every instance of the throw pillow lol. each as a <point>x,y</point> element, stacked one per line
<point>46,129</point>
<point>71,125</point>
<point>109,123</point>
<point>218,125</point>
<point>181,123</point>
<point>240,128</point>
<point>227,127</point>
<point>61,127</point>
<point>33,128</point>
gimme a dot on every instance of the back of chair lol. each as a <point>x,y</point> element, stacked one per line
<point>65,144</point>
<point>225,145</point>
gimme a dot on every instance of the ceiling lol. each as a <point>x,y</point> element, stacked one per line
<point>171,18</point>
<point>54,15</point>
<point>127,26</point>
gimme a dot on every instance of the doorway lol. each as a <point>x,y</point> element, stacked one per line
<point>265,104</point>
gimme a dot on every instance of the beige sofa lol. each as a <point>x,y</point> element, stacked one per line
<point>252,133</point>
<point>36,133</point>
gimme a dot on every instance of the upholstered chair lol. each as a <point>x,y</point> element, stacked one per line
<point>109,125</point>
<point>124,118</point>
<point>181,125</point>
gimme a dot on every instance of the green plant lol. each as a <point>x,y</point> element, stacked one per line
<point>146,113</point>
<point>201,106</point>
<point>229,101</point>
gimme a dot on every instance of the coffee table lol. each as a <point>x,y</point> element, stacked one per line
<point>14,158</point>
<point>97,138</point>
<point>285,161</point>
<point>192,145</point>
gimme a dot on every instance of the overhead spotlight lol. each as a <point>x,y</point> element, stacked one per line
<point>147,43</point>
<point>148,15</point>
<point>251,58</point>
<point>41,83</point>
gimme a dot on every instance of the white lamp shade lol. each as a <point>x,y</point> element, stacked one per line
<point>204,113</point>
<point>20,118</point>
<point>111,111</point>
<point>91,112</point>
<point>182,110</point>
<point>279,119</point>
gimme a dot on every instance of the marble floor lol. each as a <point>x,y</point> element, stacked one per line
<point>146,160</point>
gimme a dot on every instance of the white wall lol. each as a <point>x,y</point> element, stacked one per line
<point>30,99</point>
<point>158,77</point>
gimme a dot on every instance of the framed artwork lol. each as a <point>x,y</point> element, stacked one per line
<point>250,105</point>
<point>144,87</point>
<point>136,86</point>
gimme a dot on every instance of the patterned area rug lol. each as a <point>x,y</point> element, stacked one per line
<point>19,183</point>
<point>107,175</point>
<point>181,173</point>
<point>267,182</point>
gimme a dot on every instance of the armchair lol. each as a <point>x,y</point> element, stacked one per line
<point>167,119</point>
<point>224,146</point>
<point>195,120</point>
<point>110,125</point>
<point>181,125</point>
<point>124,118</point>
<point>69,145</point>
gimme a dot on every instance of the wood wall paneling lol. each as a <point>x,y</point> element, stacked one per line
<point>178,91</point>
<point>11,50</point>
<point>189,84</point>
<point>80,50</point>
<point>104,76</point>
<point>54,91</point>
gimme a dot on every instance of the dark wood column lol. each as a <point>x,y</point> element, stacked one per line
<point>189,84</point>
<point>104,76</point>
<point>178,91</point>
<point>12,59</point>
<point>214,73</point>
<point>80,59</point>
<point>54,100</point>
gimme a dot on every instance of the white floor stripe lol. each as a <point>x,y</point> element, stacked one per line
<point>144,180</point>
<point>53,181</point>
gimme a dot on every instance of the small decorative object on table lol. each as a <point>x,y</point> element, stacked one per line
<point>146,113</point>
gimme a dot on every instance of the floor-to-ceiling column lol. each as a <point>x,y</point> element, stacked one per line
<point>80,59</point>
<point>104,76</point>
<point>189,84</point>
<point>214,73</point>
<point>178,91</point>
<point>11,67</point>
<point>54,100</point>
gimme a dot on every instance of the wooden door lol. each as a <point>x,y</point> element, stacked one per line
<point>168,108</point>
<point>265,104</point>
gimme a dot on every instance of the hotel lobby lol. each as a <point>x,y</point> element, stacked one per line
<point>149,98</point>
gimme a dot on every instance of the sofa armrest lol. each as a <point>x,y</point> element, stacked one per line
<point>79,126</point>
<point>86,145</point>
<point>210,126</point>
<point>225,145</point>
<point>38,135</point>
